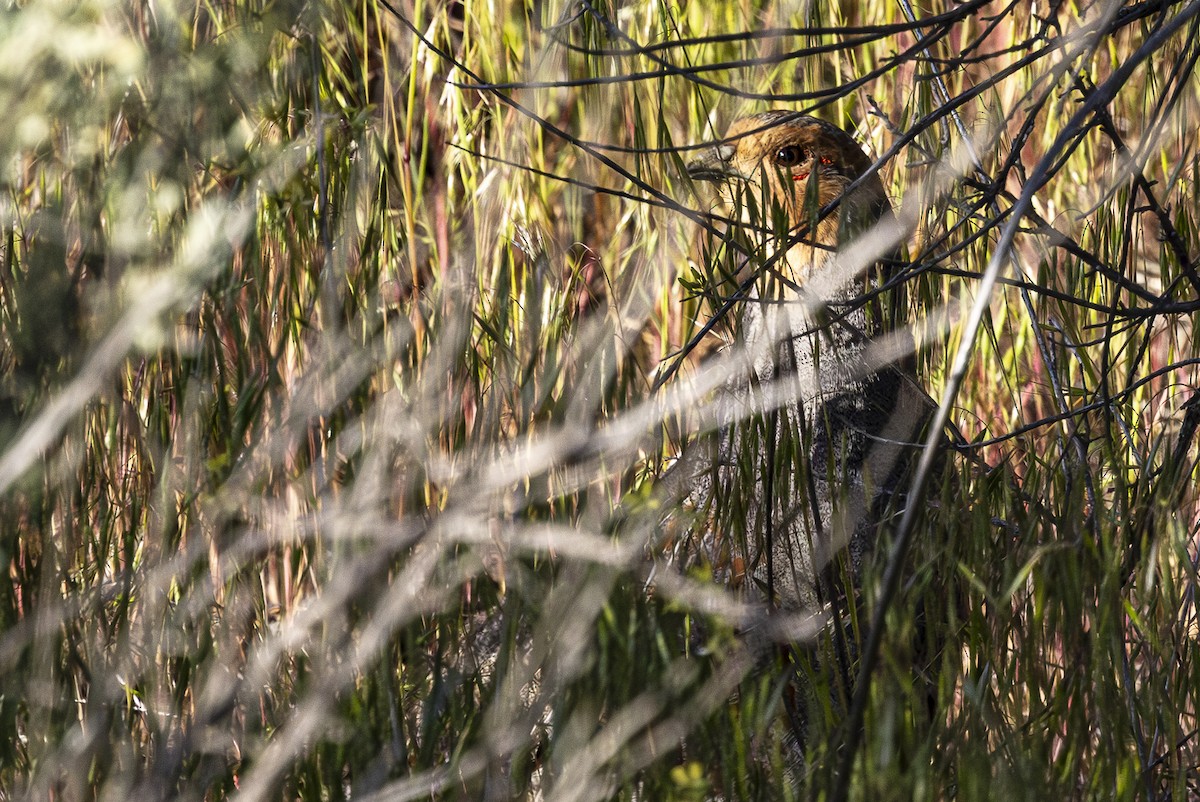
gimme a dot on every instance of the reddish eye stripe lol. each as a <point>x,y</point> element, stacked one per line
<point>802,176</point>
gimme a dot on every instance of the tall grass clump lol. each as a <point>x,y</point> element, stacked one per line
<point>352,353</point>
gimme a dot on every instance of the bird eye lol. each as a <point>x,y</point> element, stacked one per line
<point>790,155</point>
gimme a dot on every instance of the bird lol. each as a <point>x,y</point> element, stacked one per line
<point>818,427</point>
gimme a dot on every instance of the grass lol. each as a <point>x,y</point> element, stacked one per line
<point>335,445</point>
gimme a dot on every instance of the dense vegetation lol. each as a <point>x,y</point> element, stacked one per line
<point>346,346</point>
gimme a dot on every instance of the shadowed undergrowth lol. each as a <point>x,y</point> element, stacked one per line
<point>347,349</point>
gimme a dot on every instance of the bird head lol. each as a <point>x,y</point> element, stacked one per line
<point>777,170</point>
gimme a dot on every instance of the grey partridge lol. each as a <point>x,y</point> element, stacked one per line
<point>818,429</point>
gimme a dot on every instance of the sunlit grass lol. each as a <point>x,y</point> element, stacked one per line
<point>336,451</point>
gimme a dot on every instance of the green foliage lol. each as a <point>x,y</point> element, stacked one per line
<point>346,348</point>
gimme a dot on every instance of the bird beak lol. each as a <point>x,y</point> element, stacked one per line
<point>715,165</point>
